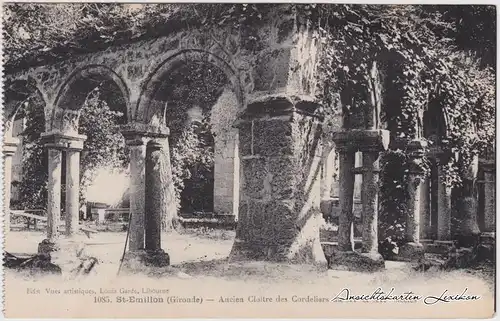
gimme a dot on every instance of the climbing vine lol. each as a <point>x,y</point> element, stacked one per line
<point>419,65</point>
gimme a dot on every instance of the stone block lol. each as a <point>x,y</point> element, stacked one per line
<point>254,172</point>
<point>410,252</point>
<point>273,137</point>
<point>273,231</point>
<point>355,261</point>
<point>271,69</point>
<point>284,171</point>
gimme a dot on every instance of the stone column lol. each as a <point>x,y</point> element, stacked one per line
<point>157,200</point>
<point>369,190</point>
<point>279,215</point>
<point>346,197</point>
<point>468,234</point>
<point>425,210</point>
<point>55,142</point>
<point>146,140</point>
<point>54,192</point>
<point>413,249</point>
<point>137,193</point>
<point>9,149</point>
<point>72,191</point>
<point>225,170</point>
<point>444,206</point>
<point>370,143</point>
<point>489,196</point>
<point>327,173</point>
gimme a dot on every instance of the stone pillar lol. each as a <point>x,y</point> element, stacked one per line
<point>157,200</point>
<point>72,191</point>
<point>55,142</point>
<point>425,209</point>
<point>137,193</point>
<point>413,249</point>
<point>149,197</point>
<point>369,189</point>
<point>9,148</point>
<point>444,206</point>
<point>54,193</point>
<point>346,197</point>
<point>327,173</point>
<point>280,152</point>
<point>468,233</point>
<point>370,142</point>
<point>225,171</point>
<point>489,196</point>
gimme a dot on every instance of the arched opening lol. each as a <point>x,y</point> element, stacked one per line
<point>434,124</point>
<point>433,193</point>
<point>94,102</point>
<point>24,115</point>
<point>196,99</point>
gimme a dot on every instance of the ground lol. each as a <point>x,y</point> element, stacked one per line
<point>198,268</point>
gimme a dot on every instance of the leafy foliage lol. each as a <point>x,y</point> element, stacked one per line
<point>105,145</point>
<point>33,186</point>
<point>418,49</point>
<point>192,91</point>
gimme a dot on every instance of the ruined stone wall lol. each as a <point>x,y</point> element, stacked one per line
<point>281,60</point>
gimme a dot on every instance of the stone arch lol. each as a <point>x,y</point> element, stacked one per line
<point>143,111</point>
<point>154,106</point>
<point>17,94</point>
<point>74,91</point>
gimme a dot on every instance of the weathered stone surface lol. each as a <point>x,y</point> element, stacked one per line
<point>134,261</point>
<point>274,56</point>
<point>411,252</point>
<point>370,201</point>
<point>346,218</point>
<point>273,137</point>
<point>137,195</point>
<point>255,171</point>
<point>72,191</point>
<point>444,208</point>
<point>271,71</point>
<point>54,193</point>
<point>354,261</point>
<point>279,215</point>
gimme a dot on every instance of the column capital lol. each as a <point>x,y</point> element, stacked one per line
<point>58,140</point>
<point>139,134</point>
<point>272,105</point>
<point>362,140</point>
<point>10,145</point>
<point>416,149</point>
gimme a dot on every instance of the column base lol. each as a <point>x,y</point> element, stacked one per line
<point>356,262</point>
<point>411,252</point>
<point>66,252</point>
<point>140,258</point>
<point>47,246</point>
<point>309,253</point>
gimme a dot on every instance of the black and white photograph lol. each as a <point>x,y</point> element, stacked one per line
<point>248,160</point>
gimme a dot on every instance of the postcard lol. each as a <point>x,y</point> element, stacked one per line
<point>284,160</point>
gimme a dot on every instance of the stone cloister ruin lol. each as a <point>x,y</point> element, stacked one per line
<point>283,162</point>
